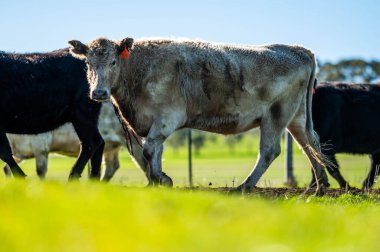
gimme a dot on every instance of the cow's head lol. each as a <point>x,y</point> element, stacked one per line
<point>103,58</point>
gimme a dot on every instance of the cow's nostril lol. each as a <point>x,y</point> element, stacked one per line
<point>100,94</point>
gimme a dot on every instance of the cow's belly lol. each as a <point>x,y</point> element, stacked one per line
<point>65,141</point>
<point>233,115</point>
<point>27,146</point>
<point>32,124</point>
<point>227,123</point>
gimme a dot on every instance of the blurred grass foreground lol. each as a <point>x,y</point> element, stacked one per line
<point>84,216</point>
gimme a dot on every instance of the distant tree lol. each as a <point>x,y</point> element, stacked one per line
<point>351,70</point>
<point>199,139</point>
<point>177,139</point>
<point>231,141</point>
<point>212,137</point>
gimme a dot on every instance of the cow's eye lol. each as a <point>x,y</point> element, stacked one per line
<point>113,62</point>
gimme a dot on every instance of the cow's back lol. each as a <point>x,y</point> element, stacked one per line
<point>347,117</point>
<point>220,88</point>
<point>39,91</point>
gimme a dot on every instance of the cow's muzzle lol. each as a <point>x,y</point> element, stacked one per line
<point>100,95</point>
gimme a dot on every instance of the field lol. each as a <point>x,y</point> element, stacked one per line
<point>216,164</point>
<point>85,216</point>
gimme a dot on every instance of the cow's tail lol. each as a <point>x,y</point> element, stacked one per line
<point>309,98</point>
<point>313,138</point>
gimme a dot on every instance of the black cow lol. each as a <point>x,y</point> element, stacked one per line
<point>347,120</point>
<point>41,91</point>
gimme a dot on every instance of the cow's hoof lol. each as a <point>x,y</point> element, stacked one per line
<point>319,192</point>
<point>165,180</point>
<point>244,188</point>
<point>19,175</point>
<point>95,177</point>
<point>74,177</point>
<point>346,187</point>
<point>292,183</point>
<point>106,179</point>
<point>313,184</point>
<point>366,187</point>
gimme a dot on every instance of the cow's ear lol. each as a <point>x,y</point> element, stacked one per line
<point>126,43</point>
<point>78,49</point>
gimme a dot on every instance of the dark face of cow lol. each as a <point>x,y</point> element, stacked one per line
<point>103,58</point>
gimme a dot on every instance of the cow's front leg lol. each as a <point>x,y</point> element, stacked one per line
<point>111,162</point>
<point>6,156</point>
<point>373,173</point>
<point>157,176</point>
<point>153,148</point>
<point>153,153</point>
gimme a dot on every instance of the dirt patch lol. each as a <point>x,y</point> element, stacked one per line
<point>270,192</point>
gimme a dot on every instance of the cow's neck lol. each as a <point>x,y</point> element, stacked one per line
<point>124,103</point>
<point>124,92</point>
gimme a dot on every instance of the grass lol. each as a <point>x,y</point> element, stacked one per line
<point>55,216</point>
<point>217,164</point>
<point>121,216</point>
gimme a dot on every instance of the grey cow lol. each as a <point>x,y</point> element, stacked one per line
<point>64,140</point>
<point>162,85</point>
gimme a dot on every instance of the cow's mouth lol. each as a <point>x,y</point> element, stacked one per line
<point>101,99</point>
<point>100,95</point>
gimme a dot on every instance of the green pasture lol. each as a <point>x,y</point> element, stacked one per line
<point>216,163</point>
<point>55,215</point>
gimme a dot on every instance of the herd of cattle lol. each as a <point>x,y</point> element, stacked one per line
<point>51,102</point>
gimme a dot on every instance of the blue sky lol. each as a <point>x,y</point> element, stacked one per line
<point>334,29</point>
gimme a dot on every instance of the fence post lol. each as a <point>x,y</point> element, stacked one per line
<point>289,175</point>
<point>190,156</point>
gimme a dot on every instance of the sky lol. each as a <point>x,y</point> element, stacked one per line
<point>333,29</point>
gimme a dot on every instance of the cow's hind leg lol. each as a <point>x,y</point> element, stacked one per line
<point>111,161</point>
<point>269,149</point>
<point>41,164</point>
<point>272,125</point>
<point>6,156</point>
<point>92,145</point>
<point>271,128</point>
<point>308,141</point>
<point>333,170</point>
<point>7,170</point>
<point>374,172</point>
